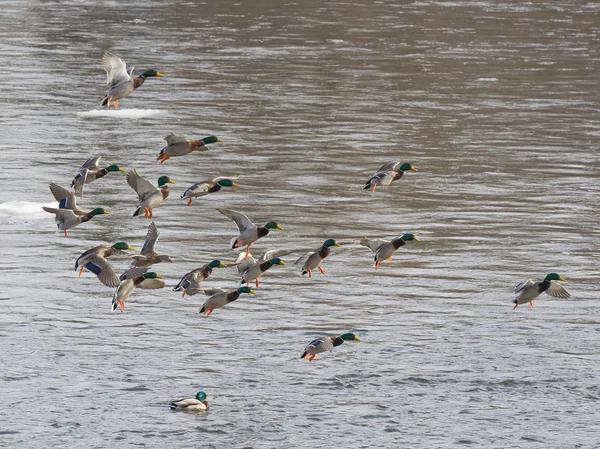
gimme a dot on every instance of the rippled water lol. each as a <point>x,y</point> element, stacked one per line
<point>496,103</point>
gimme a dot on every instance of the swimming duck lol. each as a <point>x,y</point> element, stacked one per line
<point>66,218</point>
<point>385,249</point>
<point>149,196</point>
<point>94,260</point>
<point>313,259</point>
<point>249,232</point>
<point>388,173</point>
<point>256,270</point>
<point>66,199</point>
<point>326,344</point>
<point>528,290</point>
<point>220,297</point>
<point>132,278</point>
<point>190,282</point>
<point>179,145</point>
<point>207,186</point>
<point>119,80</point>
<point>89,172</point>
<point>148,256</point>
<point>200,402</point>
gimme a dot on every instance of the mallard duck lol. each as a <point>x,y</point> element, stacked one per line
<point>89,172</point>
<point>388,173</point>
<point>132,278</point>
<point>528,290</point>
<point>190,282</point>
<point>207,186</point>
<point>94,260</point>
<point>200,402</point>
<point>385,249</point>
<point>244,262</point>
<point>179,145</point>
<point>326,344</point>
<point>66,218</point>
<point>249,232</point>
<point>220,297</point>
<point>313,259</point>
<point>149,196</point>
<point>148,256</point>
<point>119,80</point>
<point>66,199</point>
<point>256,270</point>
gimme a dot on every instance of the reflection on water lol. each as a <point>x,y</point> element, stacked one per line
<point>494,102</point>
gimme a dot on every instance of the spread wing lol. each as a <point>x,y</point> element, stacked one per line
<point>213,291</point>
<point>172,139</point>
<point>151,284</point>
<point>274,253</point>
<point>62,215</point>
<point>383,178</point>
<point>303,258</point>
<point>104,270</point>
<point>523,285</point>
<point>65,198</point>
<point>79,181</point>
<point>151,238</point>
<point>557,291</point>
<point>389,166</point>
<point>133,273</point>
<point>242,222</point>
<point>116,69</point>
<point>374,244</point>
<point>243,263</point>
<point>92,163</point>
<point>142,187</point>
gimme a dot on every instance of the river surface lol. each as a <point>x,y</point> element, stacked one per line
<point>495,102</point>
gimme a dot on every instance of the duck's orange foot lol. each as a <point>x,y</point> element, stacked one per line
<point>312,357</point>
<point>146,212</point>
<point>377,264</point>
<point>116,104</point>
<point>80,272</point>
<point>389,259</point>
<point>256,282</point>
<point>321,270</point>
<point>122,304</point>
<point>189,202</point>
<point>531,304</point>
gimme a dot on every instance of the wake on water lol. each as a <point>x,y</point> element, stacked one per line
<point>24,209</point>
<point>122,113</point>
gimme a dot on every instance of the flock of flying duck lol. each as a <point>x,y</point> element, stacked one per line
<point>68,215</point>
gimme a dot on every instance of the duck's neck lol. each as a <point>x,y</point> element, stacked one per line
<point>265,265</point>
<point>165,192</point>
<point>100,173</point>
<point>109,251</point>
<point>544,285</point>
<point>337,341</point>
<point>197,145</point>
<point>324,251</point>
<point>397,243</point>
<point>138,81</point>
<point>262,231</point>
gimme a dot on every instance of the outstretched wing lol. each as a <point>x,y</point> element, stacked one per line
<point>142,187</point>
<point>116,69</point>
<point>104,270</point>
<point>172,139</point>
<point>79,181</point>
<point>389,166</point>
<point>92,163</point>
<point>62,215</point>
<point>303,258</point>
<point>523,285</point>
<point>383,178</point>
<point>151,238</point>
<point>213,291</point>
<point>242,222</point>
<point>374,244</point>
<point>65,198</point>
<point>133,273</point>
<point>274,253</point>
<point>243,263</point>
<point>557,291</point>
<point>151,284</point>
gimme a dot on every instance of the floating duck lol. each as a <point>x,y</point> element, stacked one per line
<point>89,172</point>
<point>179,145</point>
<point>385,249</point>
<point>94,260</point>
<point>119,80</point>
<point>313,259</point>
<point>200,402</point>
<point>148,195</point>
<point>132,278</point>
<point>528,290</point>
<point>220,297</point>
<point>388,173</point>
<point>249,232</point>
<point>148,256</point>
<point>66,218</point>
<point>190,282</point>
<point>326,344</point>
<point>207,186</point>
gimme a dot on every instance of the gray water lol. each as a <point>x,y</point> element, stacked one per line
<point>496,104</point>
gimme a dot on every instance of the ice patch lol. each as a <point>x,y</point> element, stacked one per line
<point>122,113</point>
<point>24,209</point>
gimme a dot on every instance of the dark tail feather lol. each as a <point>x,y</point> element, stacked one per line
<point>304,272</point>
<point>304,354</point>
<point>137,212</point>
<point>172,406</point>
<point>104,101</point>
<point>367,186</point>
<point>201,311</point>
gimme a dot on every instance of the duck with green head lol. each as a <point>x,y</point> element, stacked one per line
<point>94,260</point>
<point>385,249</point>
<point>324,344</point>
<point>200,402</point>
<point>528,290</point>
<point>220,298</point>
<point>256,270</point>
<point>132,278</point>
<point>148,195</point>
<point>313,259</point>
<point>148,255</point>
<point>66,218</point>
<point>180,145</point>
<point>388,173</point>
<point>119,80</point>
<point>207,186</point>
<point>89,172</point>
<point>249,232</point>
<point>190,282</point>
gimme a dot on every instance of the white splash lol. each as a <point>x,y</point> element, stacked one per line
<point>24,209</point>
<point>122,113</point>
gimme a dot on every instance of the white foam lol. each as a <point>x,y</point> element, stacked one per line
<point>24,209</point>
<point>122,113</point>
